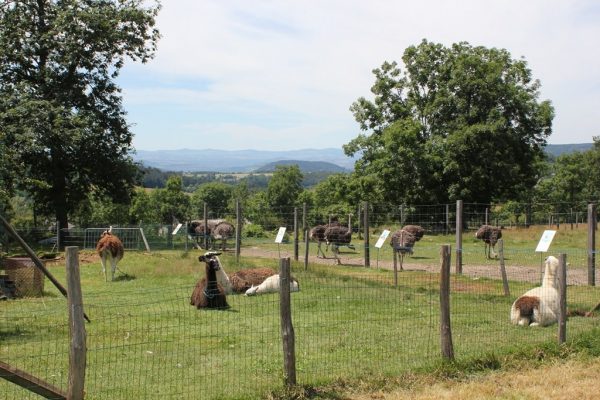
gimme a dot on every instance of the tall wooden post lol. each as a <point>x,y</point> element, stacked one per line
<point>445,328</point>
<point>77,335</point>
<point>459,228</point>
<point>358,215</point>
<point>487,211</point>
<point>447,219</point>
<point>591,245</point>
<point>287,329</point>
<point>306,244</point>
<point>296,238</point>
<point>562,292</point>
<point>304,226</point>
<point>366,233</point>
<point>238,230</point>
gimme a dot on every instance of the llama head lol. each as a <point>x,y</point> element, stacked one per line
<point>209,255</point>
<point>551,271</point>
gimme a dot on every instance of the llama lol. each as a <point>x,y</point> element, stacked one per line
<point>208,293</point>
<point>109,246</point>
<point>337,236</point>
<point>539,306</point>
<point>242,280</point>
<point>490,235</point>
<point>271,285</point>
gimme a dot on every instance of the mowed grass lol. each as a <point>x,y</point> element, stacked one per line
<point>146,341</point>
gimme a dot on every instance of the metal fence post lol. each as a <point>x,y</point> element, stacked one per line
<point>503,268</point>
<point>296,234</point>
<point>238,230</point>
<point>287,329</point>
<point>591,245</point>
<point>366,228</point>
<point>562,293</point>
<point>459,228</point>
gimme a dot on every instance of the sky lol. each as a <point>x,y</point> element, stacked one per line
<point>282,74</point>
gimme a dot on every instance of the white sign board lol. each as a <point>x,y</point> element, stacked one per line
<point>545,241</point>
<point>279,237</point>
<point>177,229</point>
<point>382,238</point>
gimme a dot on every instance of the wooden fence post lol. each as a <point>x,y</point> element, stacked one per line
<point>503,267</point>
<point>445,329</point>
<point>306,244</point>
<point>591,245</point>
<point>77,347</point>
<point>562,293</point>
<point>447,219</point>
<point>459,228</point>
<point>238,230</point>
<point>287,329</point>
<point>366,234</point>
<point>304,226</point>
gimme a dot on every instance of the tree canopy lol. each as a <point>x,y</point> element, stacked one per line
<point>60,108</point>
<point>458,122</point>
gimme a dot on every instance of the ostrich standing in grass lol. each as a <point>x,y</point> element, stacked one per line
<point>402,242</point>
<point>317,234</point>
<point>223,231</point>
<point>109,246</point>
<point>337,236</point>
<point>490,235</point>
<point>415,230</point>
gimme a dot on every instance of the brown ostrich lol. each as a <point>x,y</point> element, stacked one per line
<point>337,236</point>
<point>403,241</point>
<point>317,234</point>
<point>208,293</point>
<point>490,235</point>
<point>223,231</point>
<point>416,230</point>
<point>109,246</point>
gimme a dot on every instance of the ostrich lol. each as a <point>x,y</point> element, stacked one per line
<point>109,246</point>
<point>317,234</point>
<point>539,306</point>
<point>402,242</point>
<point>208,293</point>
<point>271,285</point>
<point>337,236</point>
<point>196,229</point>
<point>415,230</point>
<point>223,231</point>
<point>490,235</point>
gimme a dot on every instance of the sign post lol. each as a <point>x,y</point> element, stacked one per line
<point>279,239</point>
<point>543,246</point>
<point>380,242</point>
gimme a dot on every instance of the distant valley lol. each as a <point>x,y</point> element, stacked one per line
<point>260,161</point>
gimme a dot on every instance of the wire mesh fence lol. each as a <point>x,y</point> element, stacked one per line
<point>351,321</point>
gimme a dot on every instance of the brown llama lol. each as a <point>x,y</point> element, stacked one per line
<point>109,246</point>
<point>208,293</point>
<point>246,278</point>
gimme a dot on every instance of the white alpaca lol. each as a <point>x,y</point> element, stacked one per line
<point>539,306</point>
<point>271,285</point>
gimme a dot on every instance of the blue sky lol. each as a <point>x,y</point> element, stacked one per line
<point>281,75</point>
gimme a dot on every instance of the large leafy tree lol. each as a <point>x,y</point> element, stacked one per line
<point>60,108</point>
<point>216,195</point>
<point>458,122</point>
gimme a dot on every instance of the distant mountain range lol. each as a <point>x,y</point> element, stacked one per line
<point>210,160</point>
<point>309,160</point>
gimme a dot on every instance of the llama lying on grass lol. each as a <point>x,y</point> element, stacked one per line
<point>271,285</point>
<point>490,235</point>
<point>242,280</point>
<point>539,306</point>
<point>208,293</point>
<point>109,246</point>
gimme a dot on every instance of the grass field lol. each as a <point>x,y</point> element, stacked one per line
<point>351,324</point>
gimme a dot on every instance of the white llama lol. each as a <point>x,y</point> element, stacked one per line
<point>539,306</point>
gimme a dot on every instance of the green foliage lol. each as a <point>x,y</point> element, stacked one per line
<point>284,187</point>
<point>458,123</point>
<point>216,195</point>
<point>172,203</point>
<point>254,231</point>
<point>60,109</point>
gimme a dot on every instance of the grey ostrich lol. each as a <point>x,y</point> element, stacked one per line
<point>223,231</point>
<point>490,235</point>
<point>337,236</point>
<point>415,230</point>
<point>402,242</point>
<point>317,234</point>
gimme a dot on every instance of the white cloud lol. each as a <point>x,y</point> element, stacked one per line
<point>310,60</point>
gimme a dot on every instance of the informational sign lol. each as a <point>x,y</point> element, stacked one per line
<point>177,229</point>
<point>279,237</point>
<point>382,238</point>
<point>545,241</point>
